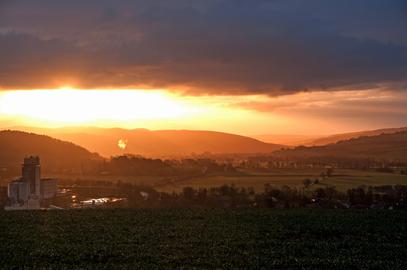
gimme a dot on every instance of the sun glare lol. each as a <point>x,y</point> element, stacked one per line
<point>78,106</point>
<point>122,144</point>
<point>151,109</point>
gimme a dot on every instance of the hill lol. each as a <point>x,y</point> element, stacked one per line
<point>54,154</point>
<point>391,146</point>
<point>286,139</point>
<point>315,140</point>
<point>347,136</point>
<point>159,142</point>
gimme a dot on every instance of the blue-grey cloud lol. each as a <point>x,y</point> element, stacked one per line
<point>211,46</point>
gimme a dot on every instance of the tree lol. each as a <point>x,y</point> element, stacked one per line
<point>188,193</point>
<point>329,172</point>
<point>307,182</point>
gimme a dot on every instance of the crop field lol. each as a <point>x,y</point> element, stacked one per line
<point>211,238</point>
<point>342,179</point>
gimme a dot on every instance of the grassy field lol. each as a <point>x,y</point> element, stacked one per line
<point>342,179</point>
<point>175,238</point>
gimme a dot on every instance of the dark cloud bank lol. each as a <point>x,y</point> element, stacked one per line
<point>211,46</point>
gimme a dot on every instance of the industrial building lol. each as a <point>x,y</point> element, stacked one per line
<point>28,191</point>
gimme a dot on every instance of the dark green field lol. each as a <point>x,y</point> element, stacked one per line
<point>130,239</point>
<point>342,179</point>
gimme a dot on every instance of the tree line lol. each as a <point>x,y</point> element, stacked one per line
<point>231,196</point>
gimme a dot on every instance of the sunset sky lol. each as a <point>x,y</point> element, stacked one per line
<point>246,67</point>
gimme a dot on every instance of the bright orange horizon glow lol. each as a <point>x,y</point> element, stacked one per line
<point>301,113</point>
<point>152,109</point>
<point>71,106</point>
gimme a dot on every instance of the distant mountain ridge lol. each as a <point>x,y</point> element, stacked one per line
<point>390,146</point>
<point>15,145</point>
<point>286,139</point>
<point>158,143</point>
<point>346,136</point>
<point>318,140</point>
